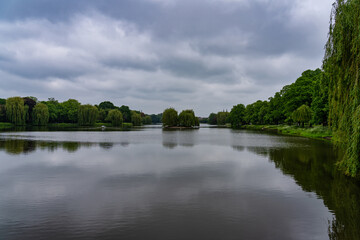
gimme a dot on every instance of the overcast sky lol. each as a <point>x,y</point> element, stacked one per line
<point>207,55</point>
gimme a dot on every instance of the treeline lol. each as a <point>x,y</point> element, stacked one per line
<point>187,118</point>
<point>28,110</point>
<point>303,102</point>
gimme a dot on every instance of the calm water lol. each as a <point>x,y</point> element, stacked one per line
<point>209,183</point>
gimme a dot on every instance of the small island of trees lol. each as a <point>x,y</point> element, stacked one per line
<point>186,119</point>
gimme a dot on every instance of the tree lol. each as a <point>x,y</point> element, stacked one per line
<point>237,116</point>
<point>69,111</point>
<point>2,110</point>
<point>253,114</point>
<point>54,110</point>
<point>29,103</point>
<point>187,118</point>
<point>341,65</point>
<point>300,92</point>
<point>302,115</point>
<point>115,117</point>
<point>170,117</point>
<point>156,118</point>
<point>40,114</point>
<point>146,120</point>
<point>135,118</point>
<point>106,105</point>
<point>15,110</point>
<point>87,115</point>
<point>222,118</point>
<point>103,114</point>
<point>320,103</point>
<point>126,112</point>
<point>212,119</point>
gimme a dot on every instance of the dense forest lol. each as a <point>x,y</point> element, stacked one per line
<point>303,102</point>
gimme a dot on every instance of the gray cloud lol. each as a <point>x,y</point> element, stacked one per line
<point>149,54</point>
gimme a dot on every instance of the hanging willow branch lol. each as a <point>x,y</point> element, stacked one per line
<point>341,64</point>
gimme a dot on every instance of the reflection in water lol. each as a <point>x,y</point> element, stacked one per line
<point>22,146</point>
<point>106,145</point>
<point>314,170</point>
<point>18,146</point>
<point>173,138</point>
<point>129,186</point>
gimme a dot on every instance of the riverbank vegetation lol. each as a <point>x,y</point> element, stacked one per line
<point>18,111</point>
<point>317,132</point>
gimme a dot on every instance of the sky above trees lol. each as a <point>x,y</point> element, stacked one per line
<point>206,55</point>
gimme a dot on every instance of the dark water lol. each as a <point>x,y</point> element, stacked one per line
<point>155,184</point>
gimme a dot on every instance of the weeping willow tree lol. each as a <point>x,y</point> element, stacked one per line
<point>40,114</point>
<point>135,118</point>
<point>15,110</point>
<point>341,64</point>
<point>302,115</point>
<point>115,117</point>
<point>187,118</point>
<point>87,115</point>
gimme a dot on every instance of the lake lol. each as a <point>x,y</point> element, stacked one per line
<point>210,183</point>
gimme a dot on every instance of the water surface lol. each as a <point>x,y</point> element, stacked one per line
<point>210,183</point>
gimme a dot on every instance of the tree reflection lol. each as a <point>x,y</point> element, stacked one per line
<point>314,170</point>
<point>22,146</point>
<point>173,138</point>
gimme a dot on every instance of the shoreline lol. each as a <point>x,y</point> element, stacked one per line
<point>316,132</point>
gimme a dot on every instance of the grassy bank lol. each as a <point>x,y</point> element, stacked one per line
<point>318,132</point>
<point>5,125</point>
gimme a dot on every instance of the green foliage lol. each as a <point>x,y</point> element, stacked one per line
<point>320,103</point>
<point>222,118</point>
<point>87,115</point>
<point>29,103</point>
<point>15,110</point>
<point>237,116</point>
<point>170,117</point>
<point>255,112</point>
<point>103,114</point>
<point>127,125</point>
<point>126,112</point>
<point>341,65</point>
<point>301,92</point>
<point>6,125</point>
<point>302,115</point>
<point>197,121</point>
<point>2,110</point>
<point>106,105</point>
<point>40,114</point>
<point>212,120</point>
<point>187,118</point>
<point>69,111</point>
<point>135,118</point>
<point>115,117</point>
<point>146,120</point>
<point>54,110</point>
<point>156,118</point>
<point>2,113</point>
